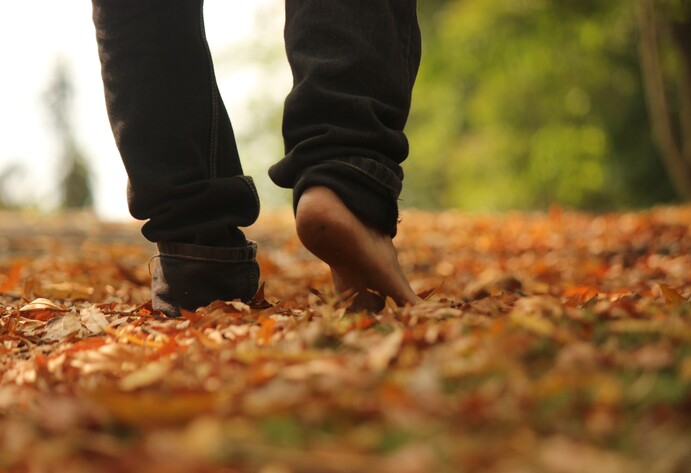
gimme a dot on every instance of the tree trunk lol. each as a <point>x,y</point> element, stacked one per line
<point>674,147</point>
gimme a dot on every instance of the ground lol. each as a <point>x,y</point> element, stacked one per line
<point>547,342</point>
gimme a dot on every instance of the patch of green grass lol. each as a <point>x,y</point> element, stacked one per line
<point>284,431</point>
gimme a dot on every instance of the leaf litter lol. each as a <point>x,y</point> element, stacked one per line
<point>556,342</point>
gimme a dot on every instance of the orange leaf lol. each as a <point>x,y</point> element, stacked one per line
<point>12,277</point>
<point>155,407</point>
<point>87,344</point>
<point>671,295</point>
<point>365,322</point>
<point>169,347</point>
<point>43,315</point>
<point>132,338</point>
<point>193,317</point>
<point>583,292</point>
<point>267,330</point>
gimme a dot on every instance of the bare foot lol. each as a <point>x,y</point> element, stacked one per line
<point>361,258</point>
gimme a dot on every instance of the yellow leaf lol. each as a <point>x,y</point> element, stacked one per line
<point>145,376</point>
<point>67,290</point>
<point>533,323</point>
<point>685,369</point>
<point>607,391</point>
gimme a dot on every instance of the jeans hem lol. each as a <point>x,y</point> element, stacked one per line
<point>192,252</point>
<point>367,189</point>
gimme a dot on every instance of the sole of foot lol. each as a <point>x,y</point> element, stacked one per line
<point>361,258</point>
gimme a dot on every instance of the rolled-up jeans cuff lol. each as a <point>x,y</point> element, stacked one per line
<point>369,189</point>
<point>187,276</point>
<point>209,253</point>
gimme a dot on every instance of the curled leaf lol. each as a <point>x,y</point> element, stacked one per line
<point>42,304</point>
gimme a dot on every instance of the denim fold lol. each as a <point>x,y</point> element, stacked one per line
<point>189,276</point>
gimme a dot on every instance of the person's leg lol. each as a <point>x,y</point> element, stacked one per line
<point>354,64</point>
<point>179,151</point>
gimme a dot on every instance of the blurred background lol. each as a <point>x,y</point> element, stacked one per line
<point>519,104</point>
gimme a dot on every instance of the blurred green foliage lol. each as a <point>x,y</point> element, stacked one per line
<point>525,103</point>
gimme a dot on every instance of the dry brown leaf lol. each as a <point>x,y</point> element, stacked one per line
<point>386,350</point>
<point>671,295</point>
<point>93,320</point>
<point>42,304</point>
<point>62,327</point>
<point>156,408</point>
<point>577,327</point>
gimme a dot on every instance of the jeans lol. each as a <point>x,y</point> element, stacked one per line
<point>354,63</point>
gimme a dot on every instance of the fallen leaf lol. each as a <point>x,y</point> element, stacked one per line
<point>42,304</point>
<point>67,290</point>
<point>533,323</point>
<point>577,329</point>
<point>93,320</point>
<point>62,327</point>
<point>147,375</point>
<point>672,297</point>
<point>267,329</point>
<point>11,279</point>
<point>259,301</point>
<point>382,353</point>
<point>155,408</point>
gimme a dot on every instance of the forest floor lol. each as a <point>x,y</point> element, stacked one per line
<point>548,342</point>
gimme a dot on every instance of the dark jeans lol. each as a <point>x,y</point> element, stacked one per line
<point>354,63</point>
